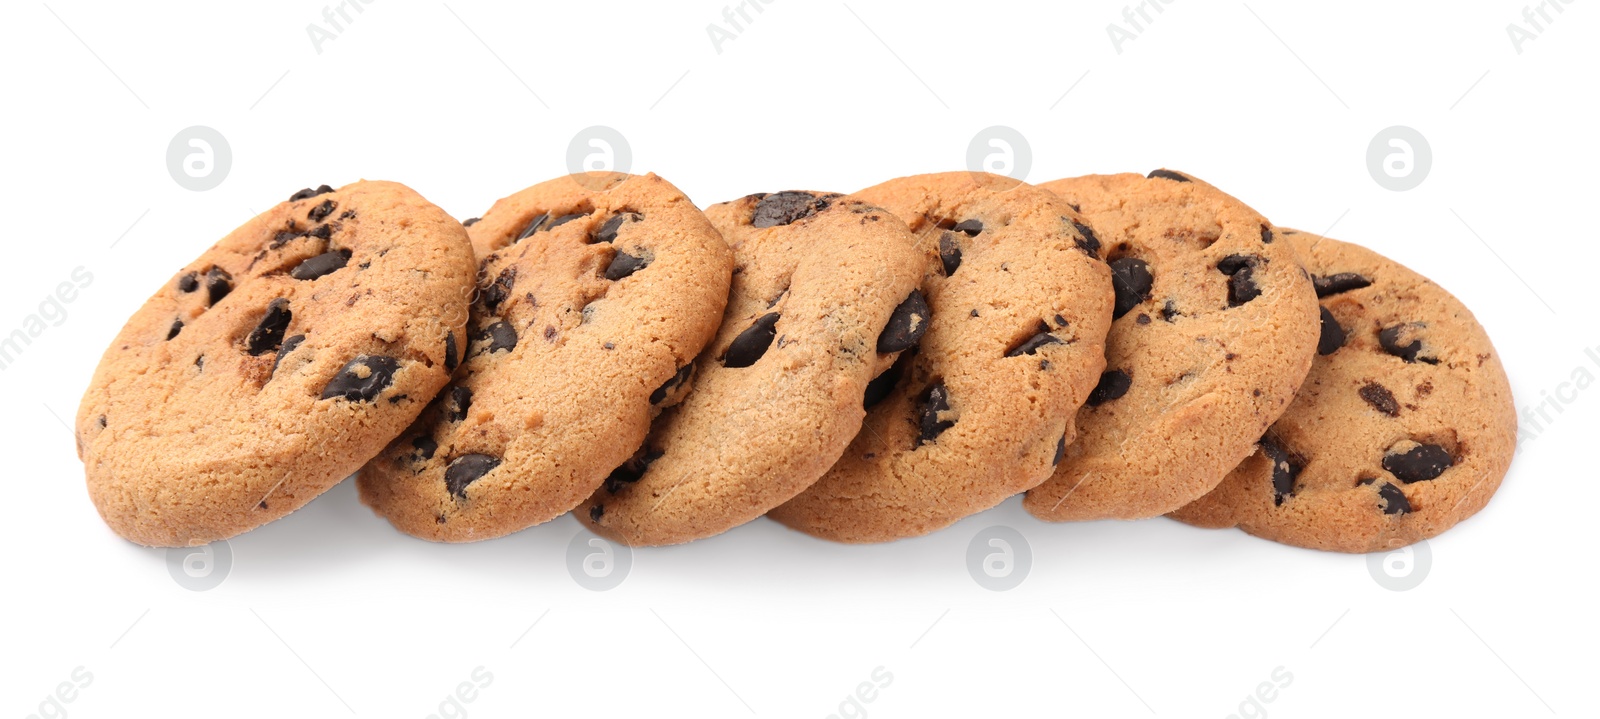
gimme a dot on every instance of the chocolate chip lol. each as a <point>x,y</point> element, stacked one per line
<point>465,470</point>
<point>562,220</point>
<point>935,399</point>
<point>425,446</point>
<point>608,229</point>
<point>1166,175</point>
<point>1420,463</point>
<point>500,336</point>
<point>949,253</point>
<point>906,325</point>
<point>268,334</point>
<point>881,386</point>
<point>1342,282</point>
<point>321,232</point>
<point>1169,311</point>
<point>218,284</point>
<point>101,421</point>
<point>1380,398</point>
<point>623,265</point>
<point>1113,384</point>
<point>631,471</point>
<point>1333,335</point>
<point>1031,345</point>
<point>1087,241</point>
<point>283,351</point>
<point>972,228</point>
<point>1061,450</point>
<point>1394,500</point>
<point>1285,468</point>
<point>533,226</point>
<point>1142,319</point>
<point>321,212</point>
<point>498,290</point>
<point>752,342</point>
<point>782,208</point>
<point>1240,270</point>
<point>451,356</point>
<point>470,221</point>
<point>1130,276</point>
<point>672,383</point>
<point>308,192</point>
<point>177,326</point>
<point>284,237</point>
<point>596,512</point>
<point>322,264</point>
<point>362,379</point>
<point>1391,338</point>
<point>460,403</point>
<point>1266,234</point>
<point>188,282</point>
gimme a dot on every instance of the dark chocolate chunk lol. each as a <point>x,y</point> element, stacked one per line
<point>623,265</point>
<point>1061,450</point>
<point>1380,398</point>
<point>362,379</point>
<point>935,399</point>
<point>460,402</point>
<point>426,446</point>
<point>1031,345</point>
<point>972,228</point>
<point>631,470</point>
<point>1333,335</point>
<point>1130,276</point>
<point>321,211</point>
<point>268,334</point>
<point>782,208</point>
<point>1266,234</point>
<point>1285,468</point>
<point>1112,385</point>
<point>1166,175</point>
<point>1088,241</point>
<point>177,326</point>
<point>284,350</point>
<point>752,343</point>
<point>497,291</point>
<point>470,221</point>
<point>1394,500</point>
<point>1390,338</point>
<point>562,220</point>
<point>189,282</point>
<point>1342,282</point>
<point>532,227</point>
<point>1420,463</point>
<point>906,325</point>
<point>218,284</point>
<point>465,470</point>
<point>1169,311</point>
<point>308,193</point>
<point>881,386</point>
<point>596,512</point>
<point>1240,270</point>
<point>321,232</point>
<point>452,357</point>
<point>609,229</point>
<point>500,336</point>
<point>322,264</point>
<point>949,252</point>
<point>674,382</point>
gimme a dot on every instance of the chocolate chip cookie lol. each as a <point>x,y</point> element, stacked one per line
<point>1020,302</point>
<point>593,300</point>
<point>1404,427</point>
<point>1216,324</point>
<point>275,364</point>
<point>824,299</point>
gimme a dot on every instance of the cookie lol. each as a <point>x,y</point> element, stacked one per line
<point>1020,302</point>
<point>824,298</point>
<point>593,297</point>
<point>1216,324</point>
<point>1404,427</point>
<point>276,364</point>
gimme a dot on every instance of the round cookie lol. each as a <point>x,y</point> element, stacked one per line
<point>592,298</point>
<point>1020,304</point>
<point>824,299</point>
<point>1215,327</point>
<point>1404,427</point>
<point>275,364</point>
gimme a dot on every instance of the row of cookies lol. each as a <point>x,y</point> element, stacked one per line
<point>861,368</point>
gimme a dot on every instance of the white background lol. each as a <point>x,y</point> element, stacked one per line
<point>331,613</point>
